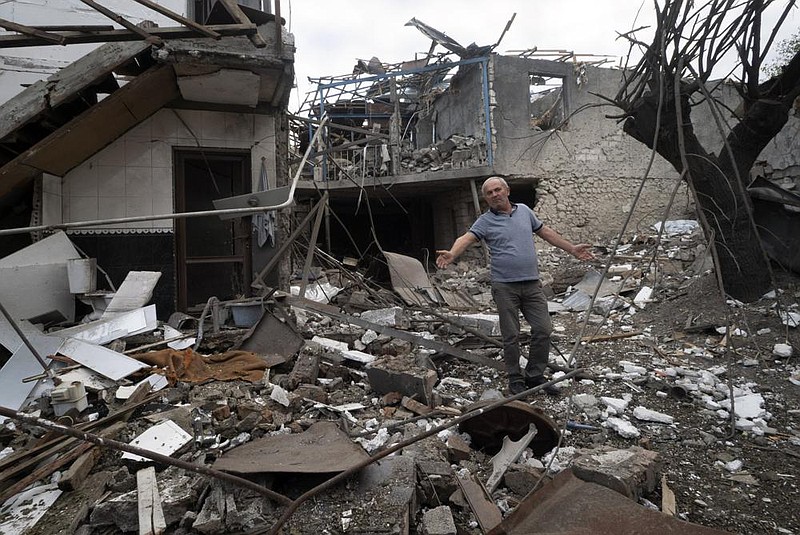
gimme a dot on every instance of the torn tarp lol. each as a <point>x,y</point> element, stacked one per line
<point>191,367</point>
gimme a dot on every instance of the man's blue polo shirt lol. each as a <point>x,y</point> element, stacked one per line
<point>510,240</point>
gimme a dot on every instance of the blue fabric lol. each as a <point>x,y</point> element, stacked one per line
<point>510,241</point>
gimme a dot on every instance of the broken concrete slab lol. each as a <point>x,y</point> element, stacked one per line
<point>399,374</point>
<point>633,472</point>
<point>392,317</point>
<point>322,448</point>
<point>438,521</point>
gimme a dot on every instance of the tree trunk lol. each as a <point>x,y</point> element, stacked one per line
<point>723,203</point>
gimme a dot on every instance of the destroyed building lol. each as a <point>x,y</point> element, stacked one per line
<point>418,138</point>
<point>346,403</point>
<point>158,120</point>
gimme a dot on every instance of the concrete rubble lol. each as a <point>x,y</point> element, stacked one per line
<point>343,395</point>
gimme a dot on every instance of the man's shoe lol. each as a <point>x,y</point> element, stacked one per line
<point>550,390</point>
<point>516,386</point>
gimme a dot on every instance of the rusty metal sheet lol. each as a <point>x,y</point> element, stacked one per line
<point>570,506</point>
<point>513,420</point>
<point>323,448</point>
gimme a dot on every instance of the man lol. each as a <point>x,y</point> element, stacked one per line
<point>508,228</point>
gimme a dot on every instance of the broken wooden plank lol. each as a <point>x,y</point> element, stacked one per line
<point>151,514</point>
<point>27,30</point>
<point>238,15</point>
<point>481,504</point>
<point>668,504</point>
<point>77,37</point>
<point>395,333</point>
<point>178,18</point>
<point>152,39</point>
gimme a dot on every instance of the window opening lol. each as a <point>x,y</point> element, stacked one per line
<point>547,107</point>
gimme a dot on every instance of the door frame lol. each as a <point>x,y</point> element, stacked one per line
<point>242,230</point>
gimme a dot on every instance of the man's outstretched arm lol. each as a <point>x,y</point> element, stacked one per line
<point>581,251</point>
<point>446,257</point>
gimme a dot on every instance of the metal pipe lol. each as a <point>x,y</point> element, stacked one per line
<point>47,370</point>
<point>182,215</point>
<point>121,446</point>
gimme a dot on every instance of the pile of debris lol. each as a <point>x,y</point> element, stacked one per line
<point>364,410</point>
<point>455,152</point>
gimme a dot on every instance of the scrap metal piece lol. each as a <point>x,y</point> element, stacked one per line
<point>274,340</point>
<point>568,506</point>
<point>507,455</point>
<point>323,448</point>
<point>488,430</point>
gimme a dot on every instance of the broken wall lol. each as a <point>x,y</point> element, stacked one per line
<point>458,111</point>
<point>589,170</point>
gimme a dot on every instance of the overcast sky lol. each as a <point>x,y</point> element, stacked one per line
<point>331,36</point>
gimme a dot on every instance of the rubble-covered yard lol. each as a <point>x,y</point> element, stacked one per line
<point>677,402</point>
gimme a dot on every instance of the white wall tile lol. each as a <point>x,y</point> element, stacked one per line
<point>161,153</point>
<point>110,181</point>
<point>238,126</point>
<point>213,126</point>
<point>263,129</point>
<point>190,124</point>
<point>162,183</point>
<point>165,124</point>
<point>139,182</point>
<point>83,208</point>
<point>111,207</point>
<point>141,131</point>
<point>137,153</point>
<point>83,181</point>
<point>113,154</point>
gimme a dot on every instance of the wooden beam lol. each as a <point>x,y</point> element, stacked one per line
<point>151,514</point>
<point>238,15</point>
<point>107,120</point>
<point>124,23</point>
<point>199,28</point>
<point>27,30</point>
<point>80,37</point>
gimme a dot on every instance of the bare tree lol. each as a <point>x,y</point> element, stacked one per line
<point>673,75</point>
